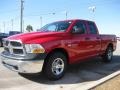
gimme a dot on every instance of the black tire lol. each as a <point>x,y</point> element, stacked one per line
<point>51,70</point>
<point>107,57</point>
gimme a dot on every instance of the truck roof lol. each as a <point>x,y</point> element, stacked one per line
<point>76,20</point>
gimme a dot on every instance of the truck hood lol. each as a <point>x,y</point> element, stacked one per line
<point>37,37</point>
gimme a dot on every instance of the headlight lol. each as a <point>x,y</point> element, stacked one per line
<point>34,48</point>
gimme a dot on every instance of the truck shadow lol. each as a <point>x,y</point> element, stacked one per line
<point>83,72</point>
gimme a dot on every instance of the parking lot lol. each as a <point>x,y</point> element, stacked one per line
<point>77,76</point>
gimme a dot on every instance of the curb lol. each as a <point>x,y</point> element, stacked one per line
<point>100,81</point>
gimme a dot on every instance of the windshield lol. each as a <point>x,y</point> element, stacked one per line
<point>56,26</point>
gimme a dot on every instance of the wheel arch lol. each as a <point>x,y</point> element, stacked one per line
<point>110,45</point>
<point>62,50</point>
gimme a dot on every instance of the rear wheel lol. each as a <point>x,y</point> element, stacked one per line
<point>107,57</point>
<point>56,66</point>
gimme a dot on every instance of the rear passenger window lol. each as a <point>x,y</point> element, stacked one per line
<point>92,28</point>
<point>79,28</point>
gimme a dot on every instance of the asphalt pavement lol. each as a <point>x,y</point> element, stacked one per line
<point>77,76</point>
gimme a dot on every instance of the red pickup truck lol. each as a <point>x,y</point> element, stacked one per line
<point>55,46</point>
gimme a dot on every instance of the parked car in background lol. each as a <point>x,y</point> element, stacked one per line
<point>13,33</point>
<point>55,46</point>
<point>2,35</point>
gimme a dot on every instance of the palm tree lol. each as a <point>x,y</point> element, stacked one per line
<point>29,28</point>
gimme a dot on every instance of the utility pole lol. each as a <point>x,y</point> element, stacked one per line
<point>23,27</point>
<point>21,16</point>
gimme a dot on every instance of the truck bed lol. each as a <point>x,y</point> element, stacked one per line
<point>105,39</point>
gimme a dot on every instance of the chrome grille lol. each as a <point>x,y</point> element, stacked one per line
<point>13,47</point>
<point>17,51</point>
<point>15,44</point>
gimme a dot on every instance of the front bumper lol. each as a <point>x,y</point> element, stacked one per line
<point>22,66</point>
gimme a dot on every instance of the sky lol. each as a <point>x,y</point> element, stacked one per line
<point>106,14</point>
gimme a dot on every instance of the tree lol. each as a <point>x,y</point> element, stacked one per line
<point>29,28</point>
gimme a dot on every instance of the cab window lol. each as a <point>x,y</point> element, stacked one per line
<point>92,28</point>
<point>79,28</point>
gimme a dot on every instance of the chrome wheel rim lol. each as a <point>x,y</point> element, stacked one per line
<point>110,53</point>
<point>57,66</point>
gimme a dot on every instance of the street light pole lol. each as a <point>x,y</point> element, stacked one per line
<point>12,24</point>
<point>92,9</point>
<point>40,21</point>
<point>21,16</point>
<point>66,14</point>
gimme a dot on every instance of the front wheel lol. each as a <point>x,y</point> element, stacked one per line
<point>56,66</point>
<point>107,57</point>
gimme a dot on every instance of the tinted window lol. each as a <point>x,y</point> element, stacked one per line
<point>92,28</point>
<point>79,28</point>
<point>13,32</point>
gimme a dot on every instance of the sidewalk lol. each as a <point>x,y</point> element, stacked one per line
<point>112,84</point>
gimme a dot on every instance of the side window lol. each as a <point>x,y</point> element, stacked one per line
<point>92,28</point>
<point>79,28</point>
<point>52,27</point>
